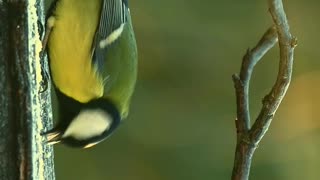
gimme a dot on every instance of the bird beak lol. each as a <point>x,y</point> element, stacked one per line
<point>90,145</point>
<point>53,137</point>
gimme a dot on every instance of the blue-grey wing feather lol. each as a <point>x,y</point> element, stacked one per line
<point>113,15</point>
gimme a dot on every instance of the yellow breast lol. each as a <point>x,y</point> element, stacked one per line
<point>69,47</point>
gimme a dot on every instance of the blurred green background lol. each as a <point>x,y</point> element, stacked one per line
<point>181,124</point>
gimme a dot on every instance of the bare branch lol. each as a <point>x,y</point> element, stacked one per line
<point>245,148</point>
<point>249,138</point>
<point>242,82</point>
<point>286,44</point>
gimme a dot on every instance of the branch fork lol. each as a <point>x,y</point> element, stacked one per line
<point>249,137</point>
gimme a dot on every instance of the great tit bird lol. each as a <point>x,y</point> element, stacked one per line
<point>93,65</point>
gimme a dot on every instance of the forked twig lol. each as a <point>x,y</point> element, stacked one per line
<point>249,137</point>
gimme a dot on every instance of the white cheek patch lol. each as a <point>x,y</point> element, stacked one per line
<point>88,124</point>
<point>112,37</point>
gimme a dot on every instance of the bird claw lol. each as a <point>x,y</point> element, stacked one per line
<point>45,80</point>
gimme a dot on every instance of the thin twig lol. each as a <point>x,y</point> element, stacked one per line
<point>245,148</point>
<point>287,44</point>
<point>249,138</point>
<point>242,81</point>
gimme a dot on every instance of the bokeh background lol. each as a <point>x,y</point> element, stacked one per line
<point>181,125</point>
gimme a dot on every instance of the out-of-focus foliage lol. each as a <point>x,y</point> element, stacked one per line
<point>181,125</point>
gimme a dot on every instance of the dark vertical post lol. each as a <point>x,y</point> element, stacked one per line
<point>24,111</point>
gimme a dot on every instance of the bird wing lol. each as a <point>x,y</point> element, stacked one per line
<point>112,20</point>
